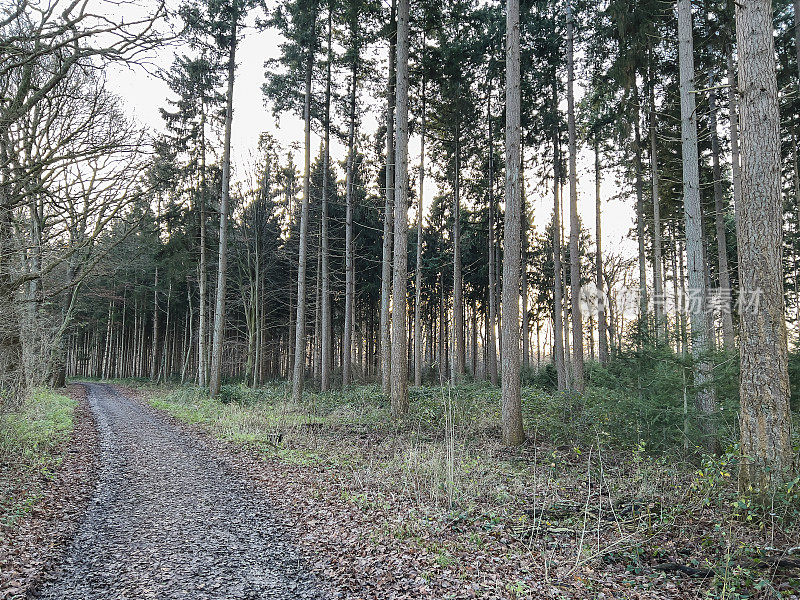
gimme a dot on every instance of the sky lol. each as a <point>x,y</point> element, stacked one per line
<point>144,93</point>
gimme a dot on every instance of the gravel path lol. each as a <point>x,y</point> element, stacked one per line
<point>169,520</point>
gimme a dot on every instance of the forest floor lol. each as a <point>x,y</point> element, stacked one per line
<point>251,496</point>
<point>434,506</point>
<point>48,466</point>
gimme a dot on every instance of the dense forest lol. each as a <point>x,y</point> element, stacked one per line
<point>395,248</point>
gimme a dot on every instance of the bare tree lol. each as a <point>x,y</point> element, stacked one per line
<point>45,45</point>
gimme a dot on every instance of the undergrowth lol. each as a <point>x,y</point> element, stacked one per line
<point>606,476</point>
<point>29,442</point>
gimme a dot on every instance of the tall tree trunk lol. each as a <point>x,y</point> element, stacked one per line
<point>325,323</point>
<point>222,270</point>
<point>675,297</point>
<point>526,350</point>
<point>166,353</point>
<point>399,379</point>
<point>682,277</point>
<point>574,223</point>
<point>558,324</point>
<point>386,266</point>
<point>639,184</point>
<point>719,210</point>
<point>316,354</point>
<point>418,273</point>
<point>156,341</point>
<point>724,279</point>
<point>658,276</point>
<point>458,350</point>
<point>300,321</point>
<point>474,333</point>
<point>202,334</point>
<point>441,352</point>
<point>704,399</point>
<point>492,308</point>
<point>733,117</point>
<point>602,339</point>
<point>765,420</point>
<point>513,433</point>
<point>565,286</point>
<point>349,286</point>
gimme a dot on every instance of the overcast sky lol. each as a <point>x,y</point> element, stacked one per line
<point>144,93</point>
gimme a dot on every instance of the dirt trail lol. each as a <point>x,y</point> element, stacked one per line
<point>170,520</point>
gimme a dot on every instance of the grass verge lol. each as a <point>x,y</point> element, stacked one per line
<point>30,439</point>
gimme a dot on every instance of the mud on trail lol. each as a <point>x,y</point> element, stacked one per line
<point>170,520</point>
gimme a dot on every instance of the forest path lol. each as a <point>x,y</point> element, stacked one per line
<point>169,520</point>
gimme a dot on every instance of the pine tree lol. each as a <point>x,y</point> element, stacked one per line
<point>574,229</point>
<point>297,21</point>
<point>195,81</point>
<point>399,361</point>
<point>704,397</point>
<point>764,419</point>
<point>513,433</point>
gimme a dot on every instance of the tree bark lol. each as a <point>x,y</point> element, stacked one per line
<point>399,379</point>
<point>458,349</point>
<point>574,223</point>
<point>733,117</point>
<point>222,271</point>
<point>513,433</point>
<point>602,339</point>
<point>418,273</point>
<point>155,341</point>
<point>325,323</point>
<point>704,399</point>
<point>724,279</point>
<point>492,308</point>
<point>298,371</point>
<point>558,324</point>
<point>202,334</point>
<point>658,277</point>
<point>349,286</point>
<point>386,266</point>
<point>639,185</point>
<point>764,420</point>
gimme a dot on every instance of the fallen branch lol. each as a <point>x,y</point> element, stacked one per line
<point>751,563</point>
<point>691,571</point>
